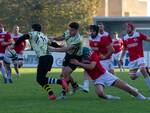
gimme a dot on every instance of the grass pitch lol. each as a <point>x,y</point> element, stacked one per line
<point>26,96</point>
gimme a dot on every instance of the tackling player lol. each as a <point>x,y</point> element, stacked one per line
<point>101,77</point>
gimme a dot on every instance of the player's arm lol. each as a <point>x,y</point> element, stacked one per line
<point>95,48</point>
<point>57,38</point>
<point>88,66</point>
<point>54,44</point>
<point>62,49</point>
<point>110,51</point>
<point>22,38</point>
<point>147,39</point>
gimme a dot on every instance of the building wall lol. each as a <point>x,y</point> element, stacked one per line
<point>101,11</point>
<point>114,7</point>
<point>134,8</point>
<point>124,8</point>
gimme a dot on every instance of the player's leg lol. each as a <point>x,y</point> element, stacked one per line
<point>122,85</point>
<point>134,74</point>
<point>66,73</point>
<point>19,63</point>
<point>45,64</point>
<point>67,70</point>
<point>7,62</point>
<point>119,64</point>
<point>101,82</point>
<point>16,63</point>
<point>85,86</point>
<point>146,76</point>
<point>3,71</point>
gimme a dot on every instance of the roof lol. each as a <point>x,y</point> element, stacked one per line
<point>117,18</point>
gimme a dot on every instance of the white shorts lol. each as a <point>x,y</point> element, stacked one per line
<point>138,63</point>
<point>117,56</point>
<point>108,64</point>
<point>107,79</point>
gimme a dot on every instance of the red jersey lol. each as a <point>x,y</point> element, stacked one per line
<point>101,41</point>
<point>4,37</point>
<point>20,48</point>
<point>134,45</point>
<point>98,70</point>
<point>94,42</point>
<point>117,45</point>
<point>105,40</point>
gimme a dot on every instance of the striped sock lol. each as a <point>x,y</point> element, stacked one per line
<point>48,89</point>
<point>54,81</point>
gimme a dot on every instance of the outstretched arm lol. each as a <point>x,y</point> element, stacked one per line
<point>22,38</point>
<point>58,38</point>
<point>88,66</point>
<point>60,49</point>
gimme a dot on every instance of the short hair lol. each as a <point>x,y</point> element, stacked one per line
<point>95,28</point>
<point>74,25</point>
<point>130,24</point>
<point>91,26</point>
<point>36,27</point>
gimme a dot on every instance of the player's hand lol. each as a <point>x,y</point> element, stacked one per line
<point>102,57</point>
<point>74,61</point>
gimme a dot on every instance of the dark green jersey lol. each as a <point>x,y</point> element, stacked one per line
<point>76,41</point>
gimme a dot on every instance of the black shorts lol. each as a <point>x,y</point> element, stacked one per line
<point>45,62</point>
<point>1,57</point>
<point>67,58</point>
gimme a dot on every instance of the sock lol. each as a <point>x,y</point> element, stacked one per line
<point>132,87</point>
<point>147,80</point>
<point>3,71</point>
<point>140,97</point>
<point>63,92</point>
<point>48,89</point>
<point>110,97</point>
<point>86,84</point>
<point>74,85</point>
<point>53,81</point>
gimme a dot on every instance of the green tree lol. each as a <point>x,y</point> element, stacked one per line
<point>54,15</point>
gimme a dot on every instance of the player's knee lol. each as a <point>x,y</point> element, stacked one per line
<point>20,65</point>
<point>132,75</point>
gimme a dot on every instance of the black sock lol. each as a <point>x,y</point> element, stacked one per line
<point>74,85</point>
